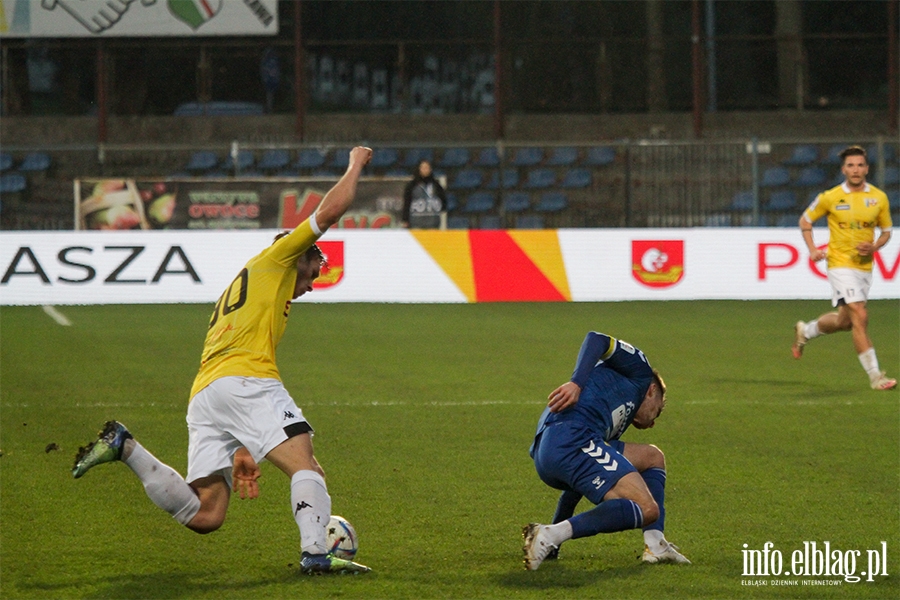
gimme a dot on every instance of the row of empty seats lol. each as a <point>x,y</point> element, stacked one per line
<point>816,176</point>
<point>282,161</point>
<point>512,202</point>
<point>808,154</point>
<point>14,173</point>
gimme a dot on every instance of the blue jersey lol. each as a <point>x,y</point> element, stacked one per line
<point>614,377</point>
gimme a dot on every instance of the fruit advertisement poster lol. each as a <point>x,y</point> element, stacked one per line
<point>205,204</point>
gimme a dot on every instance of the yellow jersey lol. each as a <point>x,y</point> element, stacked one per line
<point>852,218</point>
<point>251,314</point>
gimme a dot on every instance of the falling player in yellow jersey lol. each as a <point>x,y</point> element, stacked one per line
<point>240,411</point>
<point>854,209</point>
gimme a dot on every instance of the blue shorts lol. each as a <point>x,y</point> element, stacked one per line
<point>569,456</point>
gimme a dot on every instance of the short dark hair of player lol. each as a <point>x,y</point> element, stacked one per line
<point>853,151</point>
<point>312,253</point>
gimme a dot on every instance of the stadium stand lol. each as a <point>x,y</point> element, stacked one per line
<point>457,222</point>
<point>454,158</point>
<point>340,158</point>
<point>310,158</point>
<point>891,176</point>
<point>415,155</point>
<point>527,156</point>
<point>515,202</point>
<point>832,156</point>
<point>35,162</point>
<point>600,156</point>
<point>274,160</point>
<point>510,179</point>
<point>202,160</point>
<point>564,156</point>
<point>12,183</point>
<point>489,222</point>
<point>809,177</point>
<point>775,177</point>
<point>6,161</point>
<point>529,222</point>
<point>576,178</point>
<point>552,202</point>
<point>781,201</point>
<point>741,201</point>
<point>221,109</point>
<point>488,157</point>
<point>479,202</point>
<point>384,158</point>
<point>540,178</point>
<point>803,155</point>
<point>245,160</point>
<point>467,179</point>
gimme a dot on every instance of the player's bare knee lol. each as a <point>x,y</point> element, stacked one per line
<point>656,459</point>
<point>650,510</point>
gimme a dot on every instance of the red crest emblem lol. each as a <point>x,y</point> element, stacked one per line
<point>333,269</point>
<point>657,263</point>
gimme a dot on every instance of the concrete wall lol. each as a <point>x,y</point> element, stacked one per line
<point>443,129</point>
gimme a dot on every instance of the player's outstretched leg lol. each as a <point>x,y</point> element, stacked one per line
<point>537,545</point>
<point>106,448</point>
<point>316,564</point>
<point>669,554</point>
<point>800,339</point>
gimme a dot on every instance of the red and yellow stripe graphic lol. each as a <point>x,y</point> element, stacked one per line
<point>500,266</point>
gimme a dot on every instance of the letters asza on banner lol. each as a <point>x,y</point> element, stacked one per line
<point>124,204</point>
<point>137,18</point>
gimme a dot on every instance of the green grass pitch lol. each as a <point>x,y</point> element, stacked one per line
<point>424,415</point>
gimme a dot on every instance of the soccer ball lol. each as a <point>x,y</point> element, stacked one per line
<point>340,538</point>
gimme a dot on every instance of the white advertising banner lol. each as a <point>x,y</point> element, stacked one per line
<point>137,18</point>
<point>396,265</point>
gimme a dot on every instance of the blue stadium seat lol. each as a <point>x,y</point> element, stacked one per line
<point>467,179</point>
<point>872,153</point>
<point>452,202</point>
<point>775,176</point>
<point>489,222</point>
<point>891,176</point>
<point>576,178</point>
<point>787,220</point>
<point>216,174</point>
<point>527,156</point>
<point>35,162</point>
<point>803,155</point>
<point>245,160</point>
<point>810,176</point>
<point>600,156</point>
<point>516,202</point>
<point>552,202</point>
<point>340,158</point>
<point>384,158</point>
<point>202,160</point>
<point>454,158</point>
<point>272,160</point>
<point>781,201</point>
<point>416,155</point>
<point>540,178</point>
<point>838,179</point>
<point>12,183</point>
<point>741,201</point>
<point>488,157</point>
<point>510,179</point>
<point>529,222</point>
<point>563,156</point>
<point>310,158</point>
<point>480,202</point>
<point>6,161</point>
<point>833,156</point>
<point>457,222</point>
<point>217,108</point>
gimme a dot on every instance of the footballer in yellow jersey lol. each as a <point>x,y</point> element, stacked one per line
<point>853,216</point>
<point>249,319</point>
<point>240,412</point>
<point>854,209</point>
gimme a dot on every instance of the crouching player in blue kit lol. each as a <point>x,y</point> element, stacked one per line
<point>577,450</point>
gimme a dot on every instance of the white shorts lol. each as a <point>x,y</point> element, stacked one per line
<point>231,412</point>
<point>849,285</point>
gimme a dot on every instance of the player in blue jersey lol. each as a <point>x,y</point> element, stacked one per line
<point>577,450</point>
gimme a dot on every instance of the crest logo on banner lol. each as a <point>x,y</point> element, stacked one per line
<point>333,270</point>
<point>657,263</point>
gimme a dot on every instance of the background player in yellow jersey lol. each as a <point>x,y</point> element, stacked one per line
<point>240,411</point>
<point>854,209</point>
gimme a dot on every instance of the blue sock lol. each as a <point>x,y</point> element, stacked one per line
<point>565,508</point>
<point>655,479</point>
<point>607,517</point>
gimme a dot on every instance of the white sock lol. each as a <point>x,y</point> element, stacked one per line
<point>312,510</point>
<point>164,486</point>
<point>869,362</point>
<point>559,532</point>
<point>655,540</point>
<point>812,330</point>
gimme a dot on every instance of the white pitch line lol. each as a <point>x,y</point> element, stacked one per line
<point>57,316</point>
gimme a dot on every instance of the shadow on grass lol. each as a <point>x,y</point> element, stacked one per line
<point>558,575</point>
<point>162,585</point>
